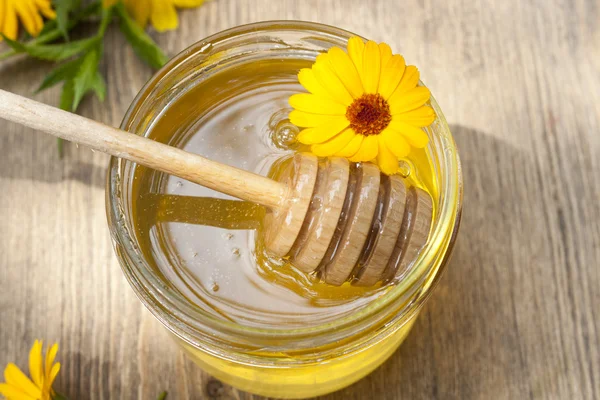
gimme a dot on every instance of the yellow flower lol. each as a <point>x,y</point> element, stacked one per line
<point>365,105</point>
<point>29,11</point>
<point>161,13</point>
<point>43,372</point>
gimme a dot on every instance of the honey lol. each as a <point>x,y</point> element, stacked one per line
<point>199,239</point>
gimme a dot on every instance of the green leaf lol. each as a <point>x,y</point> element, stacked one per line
<point>142,44</point>
<point>16,46</point>
<point>58,396</point>
<point>61,73</point>
<point>52,52</point>
<point>162,396</point>
<point>59,52</point>
<point>49,26</point>
<point>60,148</point>
<point>67,95</point>
<point>99,86</point>
<point>86,75</point>
<point>63,8</point>
<point>66,103</point>
<point>107,14</point>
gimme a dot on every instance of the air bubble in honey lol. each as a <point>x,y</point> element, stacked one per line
<point>404,169</point>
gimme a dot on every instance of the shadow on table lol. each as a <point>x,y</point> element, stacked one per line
<point>52,170</point>
<point>55,171</point>
<point>465,345</point>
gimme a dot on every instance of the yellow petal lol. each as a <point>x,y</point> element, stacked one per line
<point>396,142</point>
<point>37,17</point>
<point>352,147</point>
<point>415,136</point>
<point>334,144</point>
<point>308,120</point>
<point>420,117</point>
<point>355,50</point>
<point>139,10</point>
<point>43,3</point>
<point>410,80</point>
<point>368,149</point>
<point>188,3</point>
<point>45,8</point>
<point>50,356</point>
<point>3,6</point>
<point>15,377</point>
<point>13,393</point>
<point>34,14</point>
<point>52,375</point>
<point>48,13</point>
<point>386,53</point>
<point>316,104</point>
<point>322,58</point>
<point>27,14</point>
<point>387,161</point>
<point>371,67</point>
<point>163,15</point>
<point>391,74</point>
<point>10,27</point>
<point>307,78</point>
<point>346,70</point>
<point>35,363</point>
<point>411,100</point>
<point>331,82</point>
<point>324,132</point>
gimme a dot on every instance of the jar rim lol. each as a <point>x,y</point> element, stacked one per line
<point>181,314</point>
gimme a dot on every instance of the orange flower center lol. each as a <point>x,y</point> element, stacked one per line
<point>369,114</point>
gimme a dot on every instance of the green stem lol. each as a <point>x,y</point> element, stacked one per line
<point>55,33</point>
<point>58,396</point>
<point>60,147</point>
<point>105,21</point>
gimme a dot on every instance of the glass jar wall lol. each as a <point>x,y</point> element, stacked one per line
<point>194,257</point>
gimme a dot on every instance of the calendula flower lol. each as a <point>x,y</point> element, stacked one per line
<point>43,372</point>
<point>162,14</point>
<point>364,104</point>
<point>30,13</point>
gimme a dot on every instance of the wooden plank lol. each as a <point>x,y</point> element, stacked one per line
<point>516,314</point>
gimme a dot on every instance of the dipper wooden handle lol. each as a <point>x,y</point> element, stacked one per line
<point>339,221</point>
<point>75,128</point>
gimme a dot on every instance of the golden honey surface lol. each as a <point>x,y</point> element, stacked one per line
<point>207,245</point>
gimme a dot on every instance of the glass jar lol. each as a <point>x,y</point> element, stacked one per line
<point>290,363</point>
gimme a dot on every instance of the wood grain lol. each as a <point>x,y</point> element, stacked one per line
<point>517,314</point>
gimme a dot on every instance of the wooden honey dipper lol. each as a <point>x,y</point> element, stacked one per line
<point>343,221</point>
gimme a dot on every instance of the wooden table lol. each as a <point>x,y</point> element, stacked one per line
<point>517,314</point>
